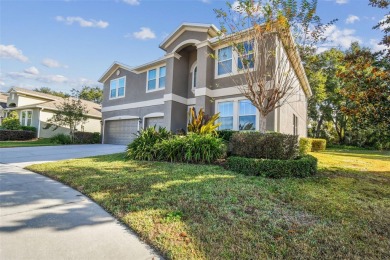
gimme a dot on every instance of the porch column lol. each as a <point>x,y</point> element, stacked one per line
<point>204,78</point>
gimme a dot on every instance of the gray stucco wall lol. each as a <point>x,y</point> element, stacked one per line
<point>135,90</point>
<point>188,35</point>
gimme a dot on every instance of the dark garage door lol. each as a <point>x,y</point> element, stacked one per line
<point>120,131</point>
<point>154,121</point>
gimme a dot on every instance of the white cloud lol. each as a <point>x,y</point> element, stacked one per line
<point>11,52</point>
<point>206,1</point>
<point>385,25</point>
<point>131,2</point>
<point>82,22</point>
<point>41,78</point>
<point>50,63</point>
<point>341,2</point>
<point>145,33</point>
<point>374,44</point>
<point>32,70</point>
<point>339,38</point>
<point>2,83</point>
<point>352,19</point>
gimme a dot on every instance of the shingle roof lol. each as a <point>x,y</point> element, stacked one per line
<point>53,101</point>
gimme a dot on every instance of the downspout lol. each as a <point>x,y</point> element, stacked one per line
<point>39,123</point>
<point>103,126</point>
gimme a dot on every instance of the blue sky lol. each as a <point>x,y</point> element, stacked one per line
<point>70,43</point>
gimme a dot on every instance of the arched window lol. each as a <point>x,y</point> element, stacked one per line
<point>194,71</point>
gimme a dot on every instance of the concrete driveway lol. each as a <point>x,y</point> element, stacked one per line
<point>44,219</point>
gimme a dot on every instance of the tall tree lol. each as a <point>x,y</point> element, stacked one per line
<point>50,91</point>
<point>326,103</point>
<point>383,25</point>
<point>366,88</point>
<point>94,94</point>
<point>256,30</point>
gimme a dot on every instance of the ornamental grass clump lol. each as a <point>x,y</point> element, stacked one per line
<point>142,148</point>
<point>192,148</point>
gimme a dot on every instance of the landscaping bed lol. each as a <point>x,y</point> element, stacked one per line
<point>206,212</point>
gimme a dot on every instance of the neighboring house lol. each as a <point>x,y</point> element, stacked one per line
<point>161,92</point>
<point>35,108</point>
<point>3,105</point>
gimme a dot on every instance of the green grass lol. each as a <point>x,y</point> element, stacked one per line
<point>37,142</point>
<point>206,212</point>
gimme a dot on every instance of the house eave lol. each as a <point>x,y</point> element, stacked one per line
<point>114,66</point>
<point>210,29</point>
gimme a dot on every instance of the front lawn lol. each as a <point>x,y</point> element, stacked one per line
<point>206,212</point>
<point>37,142</point>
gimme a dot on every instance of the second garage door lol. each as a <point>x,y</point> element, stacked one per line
<point>154,121</point>
<point>120,131</point>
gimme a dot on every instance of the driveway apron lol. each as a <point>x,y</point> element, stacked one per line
<point>44,219</point>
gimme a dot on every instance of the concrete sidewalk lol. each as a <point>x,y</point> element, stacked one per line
<point>44,219</point>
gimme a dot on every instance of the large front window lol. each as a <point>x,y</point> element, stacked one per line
<point>225,60</point>
<point>247,115</point>
<point>117,88</point>
<point>226,115</point>
<point>238,114</point>
<point>246,59</point>
<point>156,79</point>
<point>26,118</point>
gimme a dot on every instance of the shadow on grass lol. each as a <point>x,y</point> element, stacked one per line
<point>204,211</point>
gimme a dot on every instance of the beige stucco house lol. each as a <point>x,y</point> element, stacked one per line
<point>35,108</point>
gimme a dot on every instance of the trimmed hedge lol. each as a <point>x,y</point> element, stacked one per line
<point>301,167</point>
<point>28,128</point>
<point>16,135</point>
<point>265,146</point>
<point>304,145</point>
<point>318,145</point>
<point>87,138</point>
<point>226,135</point>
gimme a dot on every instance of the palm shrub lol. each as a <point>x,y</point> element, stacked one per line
<point>201,123</point>
<point>142,148</point>
<point>192,148</point>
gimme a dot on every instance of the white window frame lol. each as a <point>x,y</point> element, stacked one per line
<point>256,117</point>
<point>236,111</point>
<point>235,69</point>
<point>194,65</point>
<point>26,118</point>
<point>116,93</point>
<point>157,79</point>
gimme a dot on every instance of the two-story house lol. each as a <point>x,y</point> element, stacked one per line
<point>162,91</point>
<point>35,108</point>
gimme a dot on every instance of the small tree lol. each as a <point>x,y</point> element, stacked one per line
<point>70,113</point>
<point>263,34</point>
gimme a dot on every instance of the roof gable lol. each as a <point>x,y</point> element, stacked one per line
<point>112,69</point>
<point>210,29</point>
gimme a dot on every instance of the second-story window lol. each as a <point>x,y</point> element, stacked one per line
<point>246,59</point>
<point>156,79</point>
<point>225,60</point>
<point>117,88</point>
